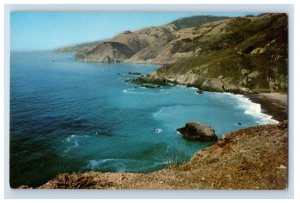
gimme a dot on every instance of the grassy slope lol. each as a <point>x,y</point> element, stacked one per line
<point>145,45</point>
<point>195,21</point>
<point>245,53</point>
<point>252,158</point>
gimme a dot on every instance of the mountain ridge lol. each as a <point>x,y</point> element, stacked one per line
<point>250,56</point>
<point>237,54</point>
<point>146,44</point>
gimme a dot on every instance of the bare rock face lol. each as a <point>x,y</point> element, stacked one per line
<point>198,131</point>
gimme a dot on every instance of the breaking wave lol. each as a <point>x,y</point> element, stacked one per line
<point>253,109</point>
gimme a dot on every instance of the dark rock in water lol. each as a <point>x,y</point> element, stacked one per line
<point>150,85</point>
<point>135,73</point>
<point>198,131</point>
<point>239,123</point>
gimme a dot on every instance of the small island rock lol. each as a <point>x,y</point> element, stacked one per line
<point>198,131</point>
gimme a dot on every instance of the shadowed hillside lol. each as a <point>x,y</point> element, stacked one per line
<point>240,54</point>
<point>248,54</point>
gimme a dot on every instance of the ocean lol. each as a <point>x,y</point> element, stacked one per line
<point>71,116</point>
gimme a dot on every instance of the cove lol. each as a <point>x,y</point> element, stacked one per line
<point>67,116</point>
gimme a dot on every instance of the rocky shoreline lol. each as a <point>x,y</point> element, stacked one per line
<point>241,54</point>
<point>203,56</point>
<point>249,155</point>
<point>249,146</point>
<point>252,158</point>
<point>274,104</point>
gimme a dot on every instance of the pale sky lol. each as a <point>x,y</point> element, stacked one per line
<point>34,31</point>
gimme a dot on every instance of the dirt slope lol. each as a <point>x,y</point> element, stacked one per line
<point>251,158</point>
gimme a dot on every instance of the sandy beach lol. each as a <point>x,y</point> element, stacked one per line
<point>274,104</point>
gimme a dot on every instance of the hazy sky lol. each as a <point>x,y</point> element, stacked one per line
<point>49,30</point>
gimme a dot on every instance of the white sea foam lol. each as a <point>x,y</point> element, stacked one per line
<point>158,130</point>
<point>137,91</point>
<point>93,164</point>
<point>193,88</point>
<point>74,139</point>
<point>118,164</point>
<point>131,91</point>
<point>126,90</point>
<point>252,108</point>
<point>177,115</point>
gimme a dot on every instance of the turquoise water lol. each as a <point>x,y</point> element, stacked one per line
<point>70,116</point>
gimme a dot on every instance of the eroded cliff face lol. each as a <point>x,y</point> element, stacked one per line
<point>142,46</point>
<point>248,54</point>
<point>148,45</point>
<point>241,54</point>
<point>251,158</point>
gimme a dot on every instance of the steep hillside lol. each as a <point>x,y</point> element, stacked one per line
<point>248,54</point>
<point>141,46</point>
<point>241,54</point>
<point>149,45</point>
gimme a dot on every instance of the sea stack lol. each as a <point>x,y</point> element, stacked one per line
<point>198,131</point>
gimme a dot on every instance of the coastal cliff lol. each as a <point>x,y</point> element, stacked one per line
<point>251,158</point>
<point>240,54</point>
<point>148,45</point>
<point>245,55</point>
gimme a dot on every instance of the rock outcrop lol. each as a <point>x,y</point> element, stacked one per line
<point>253,158</point>
<point>243,55</point>
<point>198,131</point>
<point>240,54</point>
